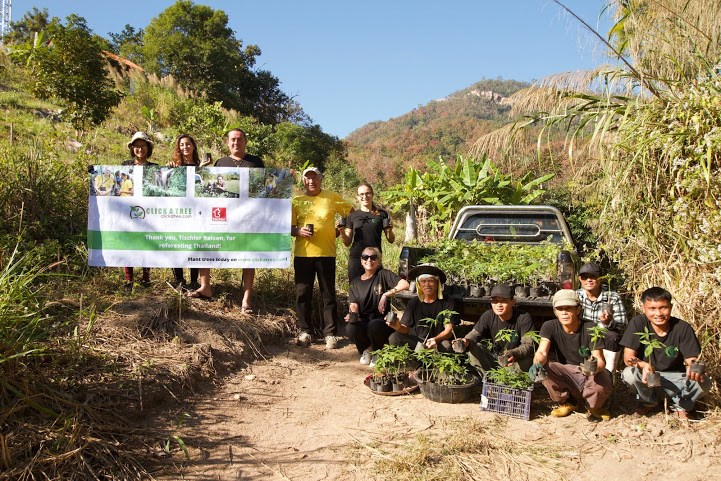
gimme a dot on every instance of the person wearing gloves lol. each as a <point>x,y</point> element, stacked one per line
<point>370,297</point>
<point>413,329</point>
<point>564,381</point>
<point>502,315</point>
<point>604,308</point>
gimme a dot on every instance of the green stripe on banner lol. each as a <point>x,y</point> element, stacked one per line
<point>185,241</point>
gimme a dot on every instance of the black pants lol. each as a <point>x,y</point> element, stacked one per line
<point>178,272</point>
<point>371,334</point>
<point>306,270</point>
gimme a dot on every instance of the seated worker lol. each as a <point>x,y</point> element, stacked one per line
<point>565,383</point>
<point>672,361</point>
<point>596,302</point>
<point>502,315</point>
<point>413,328</point>
<point>369,295</point>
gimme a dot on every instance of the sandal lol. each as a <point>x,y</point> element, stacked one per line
<point>199,295</point>
<point>246,310</point>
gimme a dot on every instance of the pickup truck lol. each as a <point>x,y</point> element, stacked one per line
<point>513,225</point>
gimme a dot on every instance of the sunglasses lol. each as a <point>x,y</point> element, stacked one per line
<point>373,257</point>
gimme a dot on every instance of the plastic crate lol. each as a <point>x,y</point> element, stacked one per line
<point>509,401</point>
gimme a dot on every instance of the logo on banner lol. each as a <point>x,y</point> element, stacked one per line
<point>137,212</point>
<point>218,214</point>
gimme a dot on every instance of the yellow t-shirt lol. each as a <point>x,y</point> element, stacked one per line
<point>127,184</point>
<point>319,210</point>
<point>104,183</point>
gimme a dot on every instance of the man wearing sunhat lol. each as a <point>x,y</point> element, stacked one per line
<point>503,315</point>
<point>314,229</point>
<point>413,329</point>
<point>565,383</point>
<point>604,308</point>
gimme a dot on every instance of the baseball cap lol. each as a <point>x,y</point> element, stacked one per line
<point>502,290</point>
<point>590,268</point>
<point>312,169</point>
<point>565,297</point>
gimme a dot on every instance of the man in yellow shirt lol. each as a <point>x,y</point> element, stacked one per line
<point>314,227</point>
<point>104,183</point>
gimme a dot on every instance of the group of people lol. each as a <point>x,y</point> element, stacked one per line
<point>570,339</point>
<point>370,323</point>
<point>185,154</point>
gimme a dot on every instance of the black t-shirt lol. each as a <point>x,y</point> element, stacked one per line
<point>681,343</point>
<point>417,310</point>
<point>489,324</point>
<point>247,161</point>
<point>367,230</point>
<point>132,162</point>
<point>567,345</point>
<point>367,293</point>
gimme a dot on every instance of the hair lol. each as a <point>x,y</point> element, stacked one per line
<point>374,207</point>
<point>227,134</point>
<point>150,148</point>
<point>177,160</point>
<point>656,294</point>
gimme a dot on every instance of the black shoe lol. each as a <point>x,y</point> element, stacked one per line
<point>194,286</point>
<point>128,286</point>
<point>145,284</point>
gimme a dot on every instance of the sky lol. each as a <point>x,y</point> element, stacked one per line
<point>350,62</point>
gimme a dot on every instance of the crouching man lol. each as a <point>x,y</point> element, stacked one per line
<point>677,347</point>
<point>516,349</point>
<point>565,383</point>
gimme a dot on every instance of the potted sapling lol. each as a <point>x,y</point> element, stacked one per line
<point>506,336</point>
<point>653,378</point>
<point>589,366</point>
<point>697,366</point>
<point>390,370</point>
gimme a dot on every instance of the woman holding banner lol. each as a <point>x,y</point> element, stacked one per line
<point>141,148</point>
<point>185,154</point>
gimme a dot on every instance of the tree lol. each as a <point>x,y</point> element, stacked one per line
<point>72,69</point>
<point>23,31</point>
<point>297,144</point>
<point>128,43</point>
<point>194,44</point>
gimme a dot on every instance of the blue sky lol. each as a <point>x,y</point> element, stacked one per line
<point>350,63</point>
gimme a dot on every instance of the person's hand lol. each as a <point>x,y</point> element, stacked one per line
<point>395,324</point>
<point>431,343</point>
<point>535,370</point>
<point>304,232</point>
<point>347,318</point>
<point>647,369</point>
<point>693,376</point>
<point>509,357</point>
<point>382,303</point>
<point>604,317</point>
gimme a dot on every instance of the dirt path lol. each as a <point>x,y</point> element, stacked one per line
<point>304,414</point>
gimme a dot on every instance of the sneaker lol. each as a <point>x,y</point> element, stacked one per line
<point>564,410</point>
<point>331,342</point>
<point>600,413</point>
<point>304,339</point>
<point>366,357</point>
<point>373,361</point>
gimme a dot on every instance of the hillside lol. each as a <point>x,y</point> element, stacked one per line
<point>443,127</point>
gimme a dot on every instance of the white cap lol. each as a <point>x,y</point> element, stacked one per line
<point>312,169</point>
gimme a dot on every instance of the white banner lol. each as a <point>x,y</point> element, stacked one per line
<point>155,216</point>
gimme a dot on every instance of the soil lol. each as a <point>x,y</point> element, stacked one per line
<point>260,407</point>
